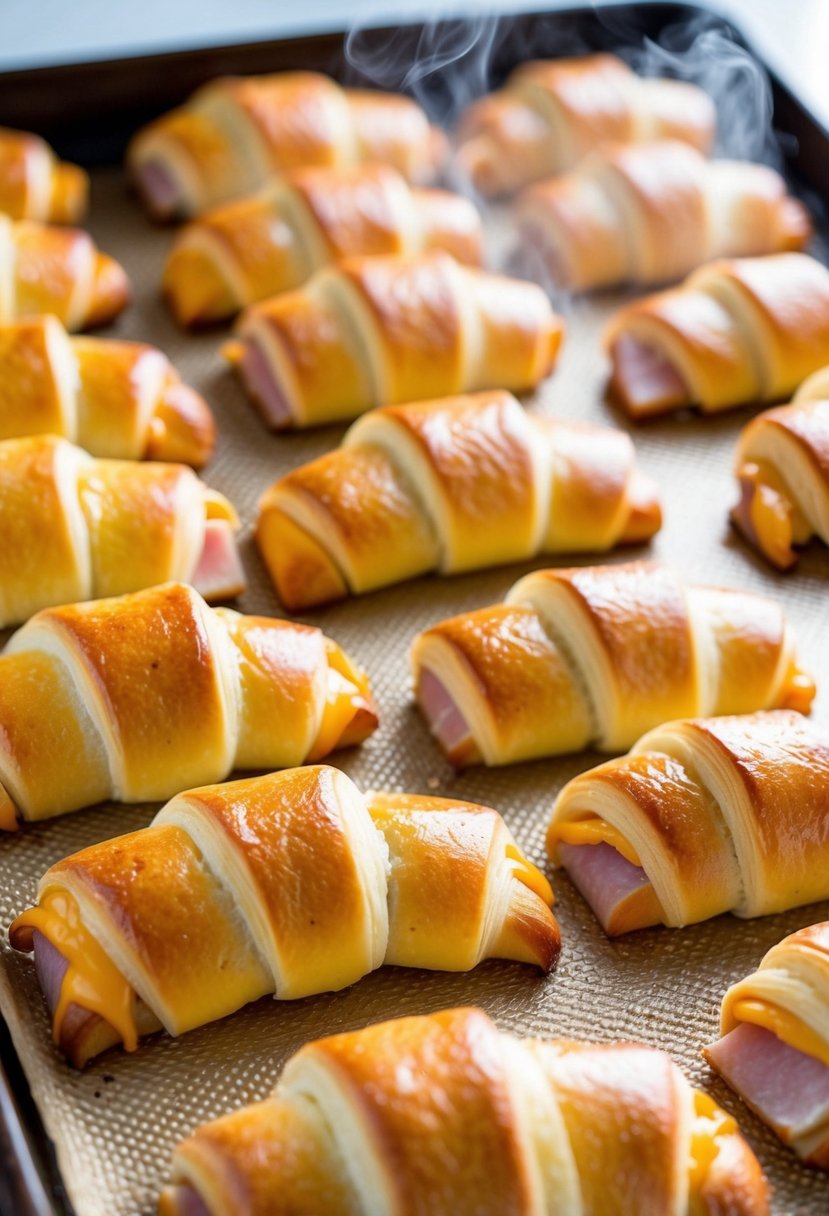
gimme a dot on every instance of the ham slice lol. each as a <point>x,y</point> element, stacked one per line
<point>218,574</point>
<point>264,387</point>
<point>182,1200</point>
<point>51,966</point>
<point>788,1089</point>
<point>619,893</point>
<point>445,720</point>
<point>643,380</point>
<point>159,190</point>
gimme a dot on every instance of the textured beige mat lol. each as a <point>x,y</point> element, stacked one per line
<point>114,1126</point>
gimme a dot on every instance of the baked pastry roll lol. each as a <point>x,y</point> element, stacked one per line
<point>46,269</point>
<point>235,135</point>
<point>552,113</point>
<point>35,185</point>
<point>446,1114</point>
<point>380,331</point>
<point>115,399</point>
<point>650,213</point>
<point>782,466</point>
<point>704,816</point>
<point>735,332</point>
<point>75,528</point>
<point>449,485</point>
<point>290,884</point>
<point>274,240</point>
<point>138,697</point>
<point>592,657</point>
<point>774,1049</point>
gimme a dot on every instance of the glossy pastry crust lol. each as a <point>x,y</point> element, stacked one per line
<point>652,212</point>
<point>35,185</point>
<point>75,528</point>
<point>552,113</point>
<point>444,1114</point>
<point>115,399</point>
<point>382,331</point>
<point>454,484</point>
<point>275,240</point>
<point>237,134</point>
<point>736,331</point>
<point>727,814</point>
<point>592,657</point>
<point>782,467</point>
<point>291,884</point>
<point>47,269</point>
<point>135,697</point>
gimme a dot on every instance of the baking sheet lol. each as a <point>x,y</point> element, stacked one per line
<point>115,1125</point>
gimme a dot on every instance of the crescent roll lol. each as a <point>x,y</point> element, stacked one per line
<point>46,269</point>
<point>650,213</point>
<point>138,697</point>
<point>35,185</point>
<point>274,240</point>
<point>384,330</point>
<point>449,485</point>
<point>115,399</point>
<point>592,657</point>
<point>782,466</point>
<point>447,1115</point>
<point>735,332</point>
<point>290,884</point>
<point>235,135</point>
<point>704,816</point>
<point>75,528</point>
<point>552,113</point>
<point>774,1049</point>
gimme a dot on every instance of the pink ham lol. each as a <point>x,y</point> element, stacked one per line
<point>264,387</point>
<point>51,966</point>
<point>644,382</point>
<point>788,1089</point>
<point>159,191</point>
<point>219,574</point>
<point>445,720</point>
<point>619,893</point>
<point>183,1201</point>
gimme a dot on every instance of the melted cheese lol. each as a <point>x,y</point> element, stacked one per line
<point>348,692</point>
<point>530,875</point>
<point>91,980</point>
<point>710,1124</point>
<point>594,831</point>
<point>8,812</point>
<point>787,1026</point>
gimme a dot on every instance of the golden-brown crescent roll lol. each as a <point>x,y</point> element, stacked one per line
<point>140,696</point>
<point>115,399</point>
<point>35,185</point>
<point>650,213</point>
<point>384,330</point>
<point>445,1115</point>
<point>704,816</point>
<point>552,113</point>
<point>774,1049</point>
<point>46,269</point>
<point>782,466</point>
<point>274,240</point>
<point>736,331</point>
<point>291,884</point>
<point>450,485</point>
<point>235,135</point>
<point>592,657</point>
<point>76,528</point>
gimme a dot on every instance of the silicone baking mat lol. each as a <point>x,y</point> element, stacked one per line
<point>115,1125</point>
